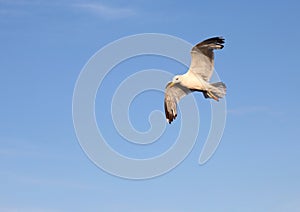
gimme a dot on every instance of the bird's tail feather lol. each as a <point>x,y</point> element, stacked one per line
<point>218,89</point>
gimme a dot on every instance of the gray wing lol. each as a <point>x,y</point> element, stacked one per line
<point>173,94</point>
<point>202,63</point>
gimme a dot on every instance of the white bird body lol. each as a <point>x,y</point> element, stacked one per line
<point>192,82</point>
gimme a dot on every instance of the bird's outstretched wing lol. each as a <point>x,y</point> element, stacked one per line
<point>173,94</point>
<point>202,63</point>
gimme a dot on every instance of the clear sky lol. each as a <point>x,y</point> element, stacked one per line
<point>45,44</point>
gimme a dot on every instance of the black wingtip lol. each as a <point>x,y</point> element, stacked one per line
<point>170,117</point>
<point>215,40</point>
<point>214,43</point>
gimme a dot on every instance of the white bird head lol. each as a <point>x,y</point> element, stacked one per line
<point>177,79</point>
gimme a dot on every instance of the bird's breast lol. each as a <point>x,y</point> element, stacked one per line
<point>193,82</point>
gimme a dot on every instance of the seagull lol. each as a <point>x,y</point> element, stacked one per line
<point>196,78</point>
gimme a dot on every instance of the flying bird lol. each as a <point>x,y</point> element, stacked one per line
<point>196,78</point>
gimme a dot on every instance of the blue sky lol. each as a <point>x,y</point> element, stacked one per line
<point>44,46</point>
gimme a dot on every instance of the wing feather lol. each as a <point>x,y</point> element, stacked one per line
<point>173,94</point>
<point>202,63</point>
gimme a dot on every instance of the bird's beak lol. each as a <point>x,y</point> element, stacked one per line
<point>171,84</point>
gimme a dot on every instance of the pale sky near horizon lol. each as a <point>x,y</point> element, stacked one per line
<point>45,44</point>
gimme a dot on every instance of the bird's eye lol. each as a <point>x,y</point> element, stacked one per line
<point>177,78</point>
